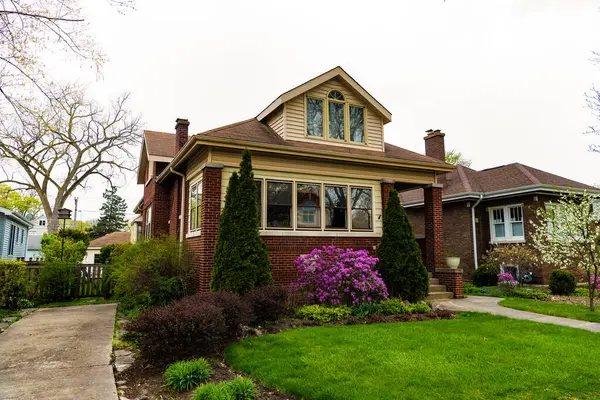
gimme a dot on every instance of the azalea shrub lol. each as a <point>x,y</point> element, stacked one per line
<point>507,281</point>
<point>334,276</point>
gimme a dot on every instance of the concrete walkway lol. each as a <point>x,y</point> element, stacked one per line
<point>59,353</point>
<point>490,305</point>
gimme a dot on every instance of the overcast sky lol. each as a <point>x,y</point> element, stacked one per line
<point>504,79</point>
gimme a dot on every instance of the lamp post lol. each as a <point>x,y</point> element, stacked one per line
<point>64,214</point>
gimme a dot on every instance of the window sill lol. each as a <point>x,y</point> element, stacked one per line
<point>508,241</point>
<point>192,234</point>
<point>328,233</point>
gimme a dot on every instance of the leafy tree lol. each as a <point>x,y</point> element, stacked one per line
<point>15,201</point>
<point>400,263</point>
<point>241,258</point>
<point>112,217</point>
<point>455,157</point>
<point>568,234</point>
<point>74,250</point>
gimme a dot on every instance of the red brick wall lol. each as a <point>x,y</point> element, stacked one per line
<point>453,280</point>
<point>434,146</point>
<point>283,250</point>
<point>434,231</point>
<point>385,190</point>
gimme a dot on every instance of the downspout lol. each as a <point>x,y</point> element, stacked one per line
<point>474,230</point>
<point>182,202</point>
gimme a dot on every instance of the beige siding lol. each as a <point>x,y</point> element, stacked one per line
<point>196,163</point>
<point>295,119</point>
<point>300,177</point>
<point>276,122</point>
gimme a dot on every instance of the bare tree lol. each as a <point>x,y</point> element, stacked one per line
<point>30,27</point>
<point>56,147</point>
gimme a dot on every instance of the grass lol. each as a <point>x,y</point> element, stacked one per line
<point>77,302</point>
<point>475,356</point>
<point>573,311</point>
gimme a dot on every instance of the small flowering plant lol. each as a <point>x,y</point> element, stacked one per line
<point>507,281</point>
<point>331,275</point>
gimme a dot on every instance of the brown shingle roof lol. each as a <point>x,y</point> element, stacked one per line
<point>111,238</point>
<point>160,144</point>
<point>505,177</point>
<point>259,132</point>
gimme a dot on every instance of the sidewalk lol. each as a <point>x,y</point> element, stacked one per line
<point>490,305</point>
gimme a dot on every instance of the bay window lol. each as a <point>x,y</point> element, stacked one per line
<point>336,207</point>
<point>279,204</point>
<point>506,223</point>
<point>195,207</point>
<point>308,197</point>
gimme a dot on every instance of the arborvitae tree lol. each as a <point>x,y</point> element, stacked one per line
<point>113,210</point>
<point>400,262</point>
<point>241,258</point>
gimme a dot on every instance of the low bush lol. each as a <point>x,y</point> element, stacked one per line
<point>365,310</point>
<point>236,389</point>
<point>13,284</point>
<point>562,282</point>
<point>389,307</point>
<point>268,303</point>
<point>322,313</point>
<point>236,311</point>
<point>418,308</point>
<point>185,375</point>
<point>178,330</point>
<point>331,275</point>
<point>527,293</point>
<point>486,275</point>
<point>57,281</point>
<point>394,307</point>
<point>150,273</point>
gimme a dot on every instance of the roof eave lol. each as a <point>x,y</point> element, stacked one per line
<point>16,216</point>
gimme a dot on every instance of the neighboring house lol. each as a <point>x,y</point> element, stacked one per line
<point>323,173</point>
<point>40,225</point>
<point>490,207</point>
<point>34,241</point>
<point>93,250</point>
<point>135,228</point>
<point>14,230</point>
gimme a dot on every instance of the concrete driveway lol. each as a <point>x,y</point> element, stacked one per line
<point>59,353</point>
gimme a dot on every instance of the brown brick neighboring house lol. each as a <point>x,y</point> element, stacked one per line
<point>482,204</point>
<point>322,167</point>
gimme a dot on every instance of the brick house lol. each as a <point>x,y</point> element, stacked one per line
<point>484,208</point>
<point>322,167</point>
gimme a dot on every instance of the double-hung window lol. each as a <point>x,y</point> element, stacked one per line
<point>334,118</point>
<point>195,207</point>
<point>362,205</point>
<point>12,240</point>
<point>506,223</point>
<point>308,205</point>
<point>279,204</point>
<point>336,207</point>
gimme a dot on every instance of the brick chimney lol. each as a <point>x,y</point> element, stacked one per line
<point>181,132</point>
<point>434,144</point>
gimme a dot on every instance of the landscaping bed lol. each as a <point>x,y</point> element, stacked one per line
<point>475,356</point>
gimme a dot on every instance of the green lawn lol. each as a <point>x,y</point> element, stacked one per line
<point>77,302</point>
<point>573,311</point>
<point>476,356</point>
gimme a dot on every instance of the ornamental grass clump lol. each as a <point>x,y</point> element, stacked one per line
<point>334,276</point>
<point>185,375</point>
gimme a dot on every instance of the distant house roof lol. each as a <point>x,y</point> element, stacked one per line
<point>504,180</point>
<point>111,238</point>
<point>15,216</point>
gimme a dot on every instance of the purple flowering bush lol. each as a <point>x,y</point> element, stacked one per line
<point>331,275</point>
<point>507,281</point>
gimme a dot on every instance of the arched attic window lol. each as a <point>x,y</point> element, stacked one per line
<point>343,122</point>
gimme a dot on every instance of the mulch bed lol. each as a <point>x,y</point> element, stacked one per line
<point>572,300</point>
<point>145,382</point>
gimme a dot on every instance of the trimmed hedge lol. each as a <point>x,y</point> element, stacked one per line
<point>486,275</point>
<point>268,303</point>
<point>562,282</point>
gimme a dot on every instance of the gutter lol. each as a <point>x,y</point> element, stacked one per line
<point>474,230</point>
<point>182,202</point>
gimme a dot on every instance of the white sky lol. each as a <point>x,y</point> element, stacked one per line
<point>504,79</point>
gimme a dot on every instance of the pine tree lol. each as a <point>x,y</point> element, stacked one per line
<point>112,217</point>
<point>241,258</point>
<point>400,262</point>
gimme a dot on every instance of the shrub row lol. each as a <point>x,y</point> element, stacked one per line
<point>364,310</point>
<point>203,323</point>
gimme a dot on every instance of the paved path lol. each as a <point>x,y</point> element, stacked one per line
<point>490,305</point>
<point>59,354</point>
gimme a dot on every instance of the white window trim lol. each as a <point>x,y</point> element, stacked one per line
<point>148,225</point>
<point>150,172</point>
<point>194,232</point>
<point>507,227</point>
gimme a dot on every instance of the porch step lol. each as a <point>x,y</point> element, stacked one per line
<point>436,288</point>
<point>439,296</point>
<point>434,281</point>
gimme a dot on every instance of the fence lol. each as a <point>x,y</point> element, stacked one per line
<point>88,279</point>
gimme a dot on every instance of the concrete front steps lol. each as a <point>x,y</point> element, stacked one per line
<point>438,292</point>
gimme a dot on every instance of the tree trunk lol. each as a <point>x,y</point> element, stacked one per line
<point>53,222</point>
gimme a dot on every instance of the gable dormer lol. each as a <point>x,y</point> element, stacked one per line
<point>332,109</point>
